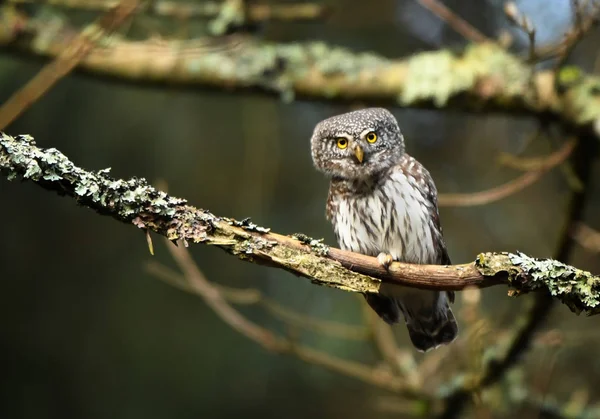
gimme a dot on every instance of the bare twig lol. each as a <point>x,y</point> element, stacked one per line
<point>252,296</point>
<point>538,163</point>
<point>217,303</point>
<point>524,23</point>
<point>491,195</point>
<point>537,167</point>
<point>584,20</point>
<point>205,9</point>
<point>275,343</point>
<point>73,53</point>
<point>456,22</point>
<point>496,368</point>
<point>585,17</point>
<point>587,237</point>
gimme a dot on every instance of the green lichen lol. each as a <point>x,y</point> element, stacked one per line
<point>430,78</point>
<point>316,245</point>
<point>577,289</point>
<point>441,75</point>
<point>278,67</point>
<point>126,200</point>
<point>569,75</point>
<point>248,225</point>
<point>581,96</point>
<point>230,15</point>
<point>483,76</point>
<point>136,202</point>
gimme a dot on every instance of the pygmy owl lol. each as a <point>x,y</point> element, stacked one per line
<point>382,202</point>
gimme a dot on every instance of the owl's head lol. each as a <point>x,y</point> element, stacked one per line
<point>357,145</point>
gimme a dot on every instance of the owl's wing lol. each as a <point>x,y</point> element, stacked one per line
<point>427,187</point>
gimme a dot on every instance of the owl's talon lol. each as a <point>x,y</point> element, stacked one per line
<point>385,260</point>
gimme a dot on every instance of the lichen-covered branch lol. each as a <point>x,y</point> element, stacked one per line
<point>482,76</point>
<point>134,201</point>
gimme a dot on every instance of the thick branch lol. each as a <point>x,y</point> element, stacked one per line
<point>134,201</point>
<point>483,76</point>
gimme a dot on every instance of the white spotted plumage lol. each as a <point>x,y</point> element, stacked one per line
<point>381,200</point>
<point>399,205</point>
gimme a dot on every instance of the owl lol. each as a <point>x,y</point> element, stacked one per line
<point>383,203</point>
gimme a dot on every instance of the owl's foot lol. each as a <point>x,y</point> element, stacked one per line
<point>385,260</point>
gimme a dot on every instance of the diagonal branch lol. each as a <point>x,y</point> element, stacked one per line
<point>213,297</point>
<point>456,22</point>
<point>65,61</point>
<point>253,296</point>
<point>134,201</point>
<point>535,169</point>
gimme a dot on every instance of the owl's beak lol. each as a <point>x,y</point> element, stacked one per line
<point>358,152</point>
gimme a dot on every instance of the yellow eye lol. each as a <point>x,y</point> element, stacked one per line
<point>371,137</point>
<point>342,143</point>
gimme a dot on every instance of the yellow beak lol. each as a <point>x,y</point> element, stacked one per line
<point>358,152</point>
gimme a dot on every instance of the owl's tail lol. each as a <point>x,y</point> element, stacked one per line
<point>435,329</point>
<point>429,318</point>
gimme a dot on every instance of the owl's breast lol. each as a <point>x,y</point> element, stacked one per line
<point>394,217</point>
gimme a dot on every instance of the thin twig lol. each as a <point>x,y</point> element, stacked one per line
<point>541,164</point>
<point>65,62</point>
<point>491,195</point>
<point>252,296</point>
<point>217,303</point>
<point>586,237</point>
<point>190,10</point>
<point>457,400</point>
<point>537,163</point>
<point>456,22</point>
<point>582,25</point>
<point>275,343</point>
<point>524,23</point>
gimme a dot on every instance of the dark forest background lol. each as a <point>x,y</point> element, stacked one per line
<point>87,332</point>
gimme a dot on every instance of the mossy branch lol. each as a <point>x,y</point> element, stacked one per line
<point>482,76</point>
<point>134,201</point>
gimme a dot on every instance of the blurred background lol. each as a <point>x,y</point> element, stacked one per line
<point>87,332</point>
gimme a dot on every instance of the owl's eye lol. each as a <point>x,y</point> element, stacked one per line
<point>371,137</point>
<point>342,143</point>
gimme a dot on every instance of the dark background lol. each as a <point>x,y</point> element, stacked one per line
<point>86,332</point>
